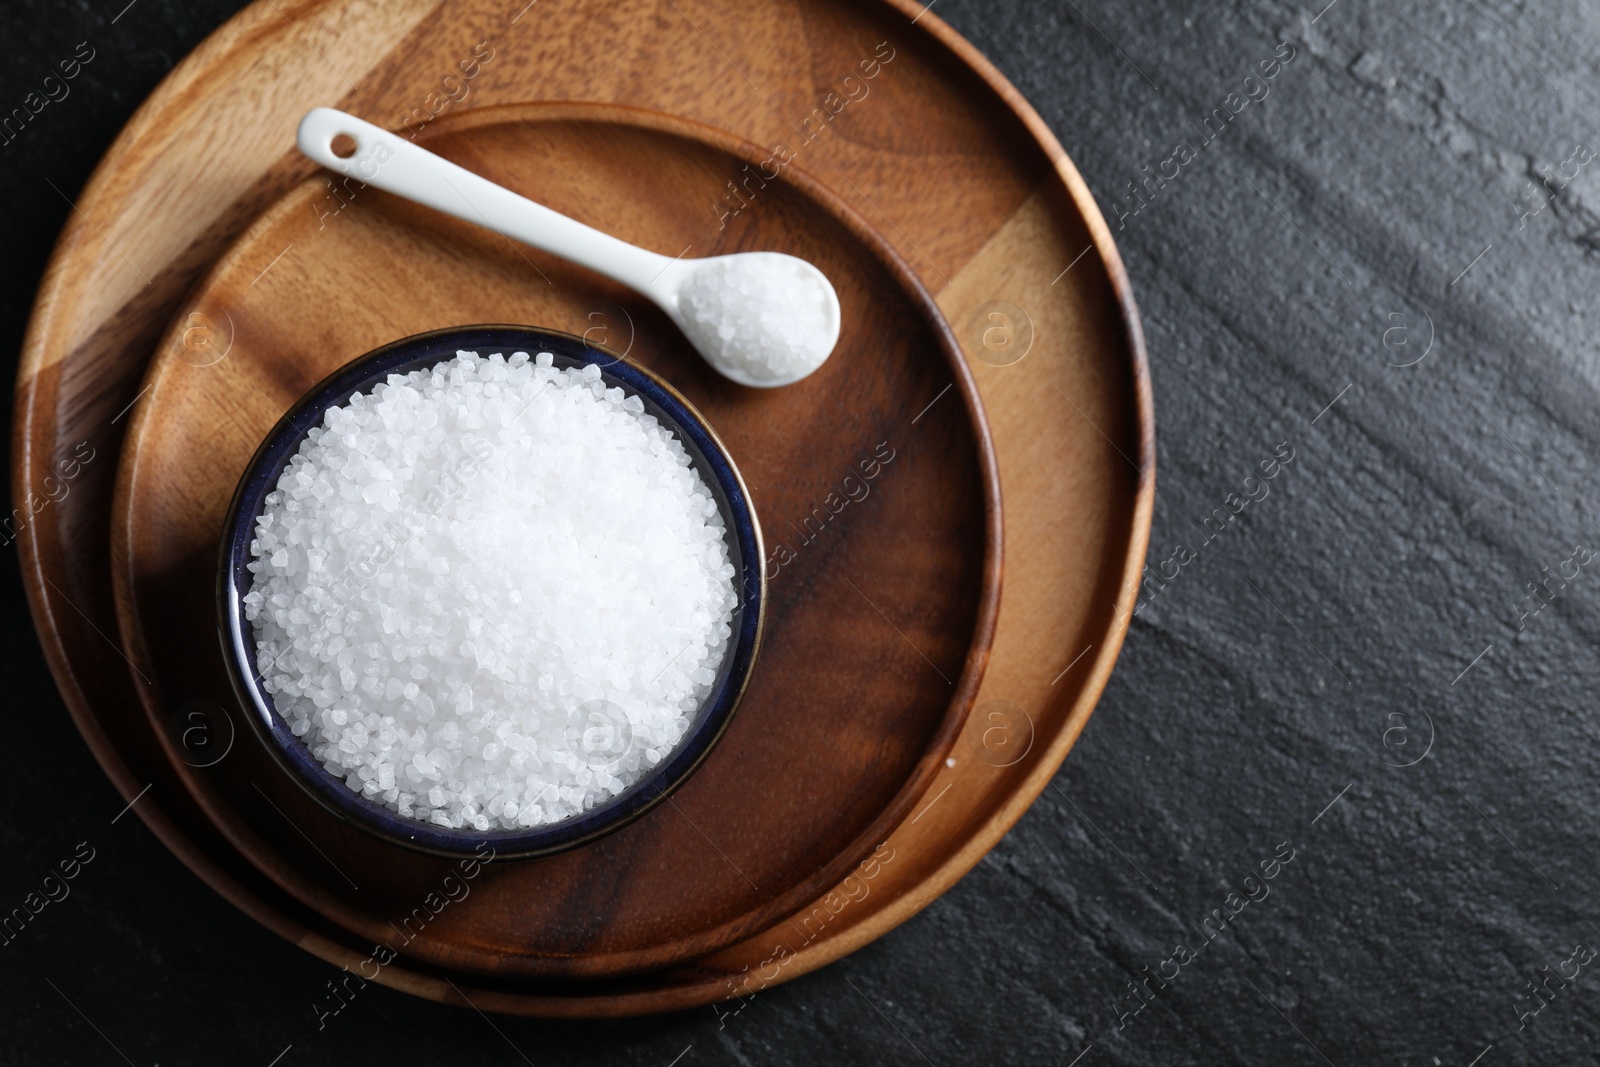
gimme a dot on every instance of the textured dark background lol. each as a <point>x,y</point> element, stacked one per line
<point>1264,695</point>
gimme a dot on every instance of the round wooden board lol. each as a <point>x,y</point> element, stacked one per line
<point>880,609</point>
<point>935,150</point>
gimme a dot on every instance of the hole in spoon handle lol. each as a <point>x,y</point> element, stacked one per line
<point>335,139</point>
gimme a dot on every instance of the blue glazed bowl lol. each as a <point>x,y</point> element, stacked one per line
<point>707,454</point>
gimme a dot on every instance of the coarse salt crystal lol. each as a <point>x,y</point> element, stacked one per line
<point>490,594</point>
<point>767,315</point>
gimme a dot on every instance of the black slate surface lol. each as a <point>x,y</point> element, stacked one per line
<point>1344,272</point>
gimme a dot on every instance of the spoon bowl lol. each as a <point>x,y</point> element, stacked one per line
<point>767,301</point>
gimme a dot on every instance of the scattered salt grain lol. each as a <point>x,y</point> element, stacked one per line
<point>767,315</point>
<point>491,593</point>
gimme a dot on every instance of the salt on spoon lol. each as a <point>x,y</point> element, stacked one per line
<point>762,319</point>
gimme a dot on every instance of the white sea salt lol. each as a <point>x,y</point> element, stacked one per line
<point>491,594</point>
<point>767,315</point>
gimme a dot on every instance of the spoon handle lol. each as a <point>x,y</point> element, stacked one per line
<point>395,165</point>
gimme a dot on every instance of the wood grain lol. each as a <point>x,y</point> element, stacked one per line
<point>942,156</point>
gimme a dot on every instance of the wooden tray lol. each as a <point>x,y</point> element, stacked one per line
<point>941,155</point>
<point>878,627</point>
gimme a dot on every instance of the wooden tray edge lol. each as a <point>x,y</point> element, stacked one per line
<point>692,993</point>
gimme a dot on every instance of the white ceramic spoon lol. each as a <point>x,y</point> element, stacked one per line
<point>788,306</point>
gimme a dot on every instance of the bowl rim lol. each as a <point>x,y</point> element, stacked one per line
<point>712,460</point>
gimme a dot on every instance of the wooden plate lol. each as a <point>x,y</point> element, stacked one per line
<point>878,627</point>
<point>941,155</point>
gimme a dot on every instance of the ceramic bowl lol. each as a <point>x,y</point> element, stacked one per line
<point>711,719</point>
